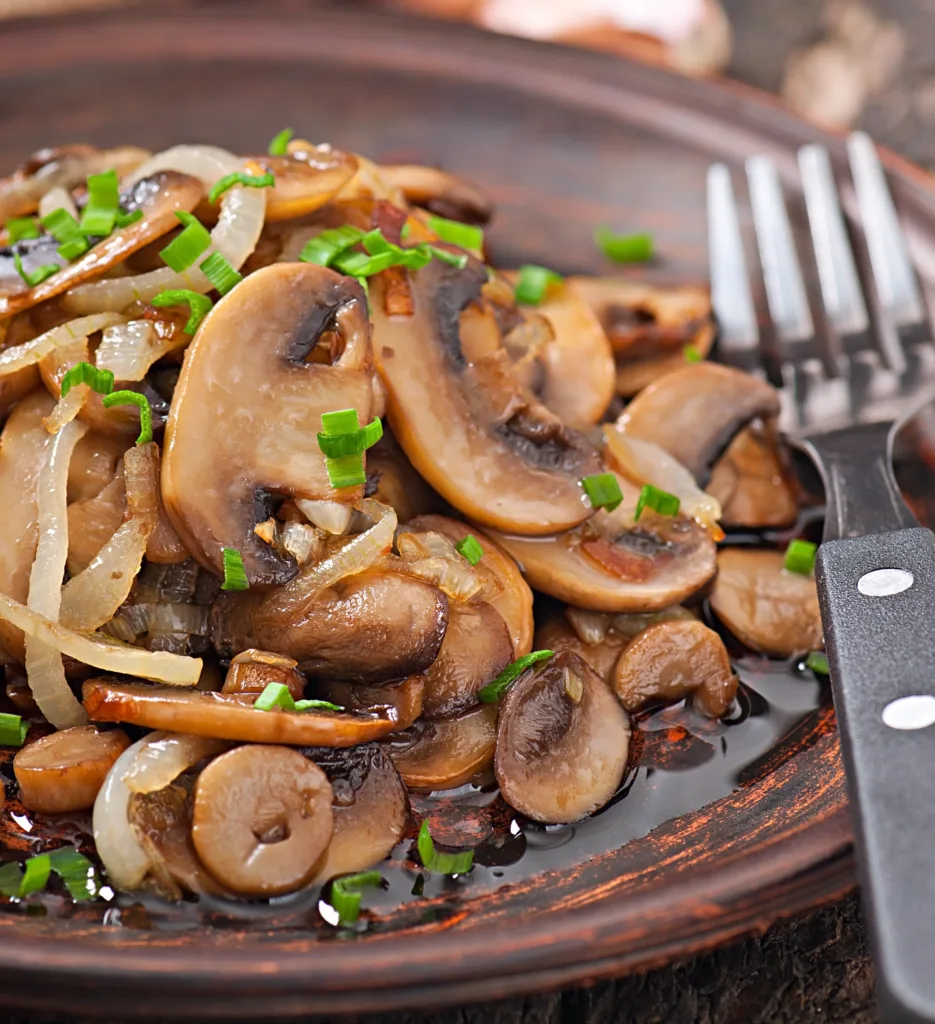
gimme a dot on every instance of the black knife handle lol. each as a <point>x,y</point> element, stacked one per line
<point>881,647</point>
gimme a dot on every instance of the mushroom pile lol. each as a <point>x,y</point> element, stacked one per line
<point>308,508</point>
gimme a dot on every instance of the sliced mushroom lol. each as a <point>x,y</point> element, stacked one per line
<point>562,742</point>
<point>556,634</point>
<point>694,412</point>
<point>402,700</point>
<point>671,660</point>
<point>249,370</point>
<point>371,808</point>
<point>306,179</point>
<point>262,819</point>
<point>65,770</point>
<point>506,461</point>
<point>94,464</point>
<point>392,479</point>
<point>750,483</point>
<point>252,671</point>
<point>763,605</point>
<point>370,627</point>
<point>444,194</point>
<point>445,753</point>
<point>226,716</point>
<point>506,590</point>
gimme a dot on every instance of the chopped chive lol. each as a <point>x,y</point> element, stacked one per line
<point>817,662</point>
<point>455,233</point>
<point>280,141</point>
<point>64,228</point>
<point>199,305</point>
<point>603,490</point>
<point>624,248</point>
<point>183,250</point>
<point>18,228</point>
<point>341,421</point>
<point>103,203</point>
<point>495,689</point>
<point>240,178</point>
<point>76,871</point>
<point>36,276</point>
<point>470,549</point>
<point>691,354</point>
<point>534,283</point>
<point>235,576</point>
<point>659,501</point>
<point>800,557</point>
<point>12,730</point>
<point>220,273</point>
<point>458,260</point>
<point>101,381</point>
<point>361,264</point>
<point>36,874</point>
<point>438,862</point>
<point>123,220</point>
<point>346,894</point>
<point>142,403</point>
<point>323,248</point>
<point>71,250</point>
<point>343,441</point>
<point>335,445</point>
<point>347,471</point>
<point>274,695</point>
<point>317,705</point>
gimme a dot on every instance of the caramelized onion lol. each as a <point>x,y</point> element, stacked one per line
<point>16,357</point>
<point>128,350</point>
<point>163,759</point>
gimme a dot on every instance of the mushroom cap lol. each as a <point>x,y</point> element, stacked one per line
<point>751,484</point>
<point>402,699</point>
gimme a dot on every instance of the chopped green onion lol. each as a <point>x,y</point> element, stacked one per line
<point>183,250</point>
<point>470,549</point>
<point>335,445</point>
<point>76,871</point>
<point>274,695</point>
<point>800,557</point>
<point>455,233</point>
<point>35,875</point>
<point>18,228</point>
<point>36,276</point>
<point>362,281</point>
<point>220,273</point>
<point>12,730</point>
<point>415,259</point>
<point>442,863</point>
<point>240,178</point>
<point>624,248</point>
<point>73,249</point>
<point>197,304</point>
<point>278,145</point>
<point>346,894</point>
<point>691,354</point>
<point>458,260</point>
<point>341,421</point>
<point>123,220</point>
<point>317,705</point>
<point>534,282</point>
<point>342,442</point>
<point>103,203</point>
<point>142,403</point>
<point>603,490</point>
<point>660,501</point>
<point>235,576</point>
<point>361,264</point>
<point>493,691</point>
<point>64,228</point>
<point>323,248</point>
<point>817,662</point>
<point>101,381</point>
<point>405,231</point>
<point>347,471</point>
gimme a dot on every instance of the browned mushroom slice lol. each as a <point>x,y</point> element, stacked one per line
<point>444,194</point>
<point>305,180</point>
<point>695,412</point>
<point>262,819</point>
<point>556,634</point>
<point>369,627</point>
<point>250,373</point>
<point>371,808</point>
<point>751,485</point>
<point>402,700</point>
<point>226,716</point>
<point>667,662</point>
<point>252,671</point>
<point>395,482</point>
<point>464,419</point>
<point>562,742</point>
<point>506,590</point>
<point>447,752</point>
<point>763,605</point>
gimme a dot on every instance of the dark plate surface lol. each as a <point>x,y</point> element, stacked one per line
<point>563,141</point>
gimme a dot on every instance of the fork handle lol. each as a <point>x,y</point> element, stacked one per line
<point>881,647</point>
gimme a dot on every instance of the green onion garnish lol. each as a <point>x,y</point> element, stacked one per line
<point>36,874</point>
<point>800,557</point>
<point>317,705</point>
<point>691,354</point>
<point>415,259</point>
<point>36,276</point>
<point>103,203</point>
<point>470,549</point>
<point>74,869</point>
<point>455,233</point>
<point>240,178</point>
<point>12,730</point>
<point>323,248</point>
<point>361,264</point>
<point>660,501</point>
<point>18,228</point>
<point>346,894</point>
<point>183,250</point>
<point>493,691</point>
<point>197,304</point>
<point>603,490</point>
<point>343,442</point>
<point>64,228</point>
<point>534,282</point>
<point>278,145</point>
<point>458,260</point>
<point>220,273</point>
<point>101,381</point>
<point>817,662</point>
<point>442,863</point>
<point>274,695</point>
<point>624,248</point>
<point>235,576</point>
<point>123,220</point>
<point>142,403</point>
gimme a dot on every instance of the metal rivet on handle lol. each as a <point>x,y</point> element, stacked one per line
<point>885,582</point>
<point>915,712</point>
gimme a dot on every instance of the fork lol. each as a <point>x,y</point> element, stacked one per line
<point>845,392</point>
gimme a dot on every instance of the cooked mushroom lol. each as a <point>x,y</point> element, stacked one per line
<point>249,370</point>
<point>262,819</point>
<point>402,700</point>
<point>506,590</point>
<point>751,485</point>
<point>447,752</point>
<point>562,742</point>
<point>444,194</point>
<point>370,627</point>
<point>94,464</point>
<point>694,412</point>
<point>671,660</point>
<point>64,771</point>
<point>463,418</point>
<point>305,179</point>
<point>14,386</point>
<point>371,808</point>
<point>763,605</point>
<point>556,634</point>
<point>392,480</point>
<point>252,671</point>
<point>93,521</point>
<point>226,716</point>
